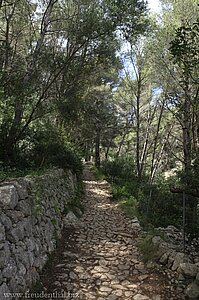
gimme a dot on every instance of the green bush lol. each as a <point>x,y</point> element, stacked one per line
<point>48,148</point>
<point>120,168</point>
<point>43,147</point>
<point>148,249</point>
<point>153,204</point>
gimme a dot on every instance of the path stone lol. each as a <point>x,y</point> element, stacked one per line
<point>98,256</point>
<point>140,297</point>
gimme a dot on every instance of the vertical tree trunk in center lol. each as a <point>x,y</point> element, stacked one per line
<point>97,148</point>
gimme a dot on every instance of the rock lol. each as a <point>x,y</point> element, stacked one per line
<point>30,242</point>
<point>104,288</point>
<point>5,221</point>
<point>171,259</point>
<point>1,278</point>
<point>118,293</point>
<point>31,277</point>
<point>70,220</point>
<point>10,270</point>
<point>112,297</point>
<point>73,276</point>
<point>197,277</point>
<point>13,285</point>
<point>128,293</point>
<point>156,297</point>
<point>164,258</point>
<point>4,290</point>
<point>140,297</point>
<point>22,270</point>
<point>157,240</point>
<point>2,233</point>
<point>22,185</point>
<point>15,215</point>
<point>4,255</point>
<point>25,207</point>
<point>179,259</point>
<point>192,291</point>
<point>8,196</point>
<point>100,269</point>
<point>188,269</point>
<point>143,277</point>
<point>17,233</point>
<point>181,277</point>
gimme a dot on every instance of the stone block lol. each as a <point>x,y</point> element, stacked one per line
<point>5,220</point>
<point>8,196</point>
<point>4,255</point>
<point>10,270</point>
<point>17,233</point>
<point>25,207</point>
<point>21,186</point>
<point>15,216</point>
<point>2,233</point>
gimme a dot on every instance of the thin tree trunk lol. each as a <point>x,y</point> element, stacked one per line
<point>97,148</point>
<point>152,173</point>
<point>139,171</point>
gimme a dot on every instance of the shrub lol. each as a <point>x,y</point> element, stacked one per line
<point>50,149</point>
<point>44,147</point>
<point>120,168</point>
<point>152,204</point>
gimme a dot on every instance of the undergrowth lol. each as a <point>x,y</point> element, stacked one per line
<point>154,205</point>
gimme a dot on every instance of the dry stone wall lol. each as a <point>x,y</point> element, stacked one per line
<point>31,220</point>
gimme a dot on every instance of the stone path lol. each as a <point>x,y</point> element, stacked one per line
<point>100,260</point>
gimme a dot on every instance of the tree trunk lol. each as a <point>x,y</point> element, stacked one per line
<point>139,171</point>
<point>97,148</point>
<point>187,150</point>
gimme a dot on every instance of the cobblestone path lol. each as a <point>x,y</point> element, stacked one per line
<point>100,260</point>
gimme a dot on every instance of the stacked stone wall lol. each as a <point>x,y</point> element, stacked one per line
<point>31,221</point>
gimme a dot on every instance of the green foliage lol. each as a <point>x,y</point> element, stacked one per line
<point>8,172</point>
<point>130,206</point>
<point>98,173</point>
<point>184,47</point>
<point>159,207</point>
<point>44,147</point>
<point>47,147</point>
<point>121,167</point>
<point>146,246</point>
<point>154,205</point>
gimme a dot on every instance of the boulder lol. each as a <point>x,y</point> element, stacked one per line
<point>179,259</point>
<point>70,220</point>
<point>192,290</point>
<point>188,269</point>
